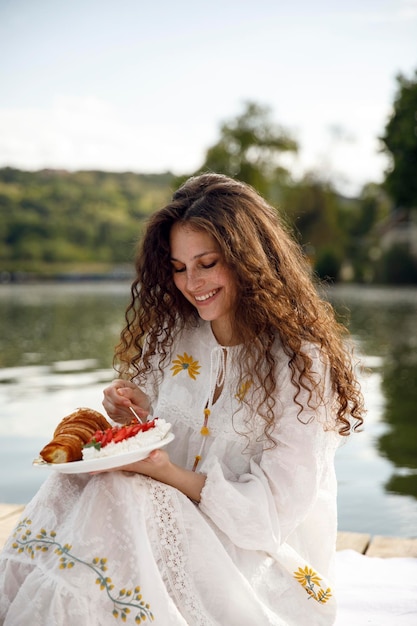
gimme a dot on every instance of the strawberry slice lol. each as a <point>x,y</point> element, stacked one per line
<point>132,430</point>
<point>120,435</point>
<point>102,438</point>
<point>107,437</point>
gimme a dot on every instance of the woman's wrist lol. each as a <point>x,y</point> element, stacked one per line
<point>159,467</point>
<point>188,482</point>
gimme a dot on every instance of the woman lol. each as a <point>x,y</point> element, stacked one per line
<point>234,523</point>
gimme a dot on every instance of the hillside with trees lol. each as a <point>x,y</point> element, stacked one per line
<point>55,222</point>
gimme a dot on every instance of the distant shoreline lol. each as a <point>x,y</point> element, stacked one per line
<point>69,276</point>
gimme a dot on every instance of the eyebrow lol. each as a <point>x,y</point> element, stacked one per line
<point>197,256</point>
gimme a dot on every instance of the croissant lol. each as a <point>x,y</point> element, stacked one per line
<point>72,432</point>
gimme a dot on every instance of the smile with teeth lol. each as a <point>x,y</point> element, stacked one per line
<point>206,296</point>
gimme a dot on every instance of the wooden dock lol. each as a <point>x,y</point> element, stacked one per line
<point>9,516</point>
<point>361,542</point>
<point>377,545</point>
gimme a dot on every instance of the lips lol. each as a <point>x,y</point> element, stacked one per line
<point>206,296</point>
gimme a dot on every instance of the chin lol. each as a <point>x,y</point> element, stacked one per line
<point>206,317</point>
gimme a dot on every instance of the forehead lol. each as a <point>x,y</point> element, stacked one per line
<point>184,238</point>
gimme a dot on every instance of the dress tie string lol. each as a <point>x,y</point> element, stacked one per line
<point>217,378</point>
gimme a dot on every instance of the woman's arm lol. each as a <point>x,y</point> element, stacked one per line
<point>118,397</point>
<point>159,466</point>
<point>294,480</point>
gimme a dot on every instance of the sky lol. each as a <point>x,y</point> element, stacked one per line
<point>144,85</point>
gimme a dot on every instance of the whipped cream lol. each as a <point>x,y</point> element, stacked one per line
<point>144,439</point>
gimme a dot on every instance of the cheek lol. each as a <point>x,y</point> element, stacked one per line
<point>178,280</point>
<point>229,281</point>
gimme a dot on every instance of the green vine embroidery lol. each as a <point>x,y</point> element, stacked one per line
<point>127,600</point>
<point>311,582</point>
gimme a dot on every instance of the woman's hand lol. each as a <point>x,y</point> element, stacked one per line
<point>121,395</point>
<point>159,466</point>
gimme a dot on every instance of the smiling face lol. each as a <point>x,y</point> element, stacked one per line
<point>201,275</point>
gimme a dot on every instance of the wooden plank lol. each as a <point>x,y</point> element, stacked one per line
<point>353,541</point>
<point>9,516</point>
<point>10,509</point>
<point>386,547</point>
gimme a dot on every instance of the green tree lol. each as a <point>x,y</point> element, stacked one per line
<point>249,148</point>
<point>315,209</point>
<point>400,142</point>
<point>397,266</point>
<point>361,218</point>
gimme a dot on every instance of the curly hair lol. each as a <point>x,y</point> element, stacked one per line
<point>276,296</point>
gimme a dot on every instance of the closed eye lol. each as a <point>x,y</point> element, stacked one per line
<point>204,266</point>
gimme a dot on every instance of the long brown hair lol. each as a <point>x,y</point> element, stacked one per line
<point>276,297</point>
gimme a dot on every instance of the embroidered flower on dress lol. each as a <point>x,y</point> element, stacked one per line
<point>309,579</point>
<point>185,362</point>
<point>307,576</point>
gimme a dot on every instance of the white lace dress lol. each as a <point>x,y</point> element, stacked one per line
<point>122,548</point>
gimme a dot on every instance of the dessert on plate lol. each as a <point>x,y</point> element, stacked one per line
<point>86,434</point>
<point>121,439</point>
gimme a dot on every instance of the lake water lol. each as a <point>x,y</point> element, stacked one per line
<point>56,347</point>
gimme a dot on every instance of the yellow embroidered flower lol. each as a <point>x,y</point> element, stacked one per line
<point>243,390</point>
<point>307,576</point>
<point>310,580</point>
<point>185,362</point>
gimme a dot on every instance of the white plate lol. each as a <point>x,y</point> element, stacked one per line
<point>106,462</point>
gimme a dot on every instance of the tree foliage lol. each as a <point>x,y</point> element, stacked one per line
<point>400,142</point>
<point>58,217</point>
<point>249,148</point>
<point>332,229</point>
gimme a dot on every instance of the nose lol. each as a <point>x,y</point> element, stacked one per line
<point>194,280</point>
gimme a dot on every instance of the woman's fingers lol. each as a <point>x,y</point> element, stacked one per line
<point>116,404</point>
<point>150,466</point>
<point>120,396</point>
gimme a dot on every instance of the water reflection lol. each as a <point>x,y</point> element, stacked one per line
<point>400,443</point>
<point>44,324</point>
<point>56,349</point>
<point>385,323</point>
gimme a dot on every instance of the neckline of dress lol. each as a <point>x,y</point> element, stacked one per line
<point>214,340</point>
